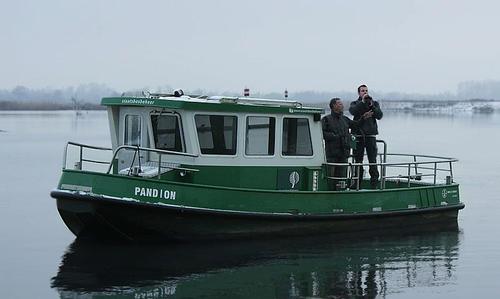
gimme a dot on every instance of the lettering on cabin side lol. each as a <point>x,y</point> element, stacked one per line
<point>291,110</point>
<point>154,193</point>
<point>137,101</point>
<point>452,193</point>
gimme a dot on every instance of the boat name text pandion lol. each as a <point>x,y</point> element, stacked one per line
<point>154,193</point>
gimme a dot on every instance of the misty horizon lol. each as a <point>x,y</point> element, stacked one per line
<point>93,92</point>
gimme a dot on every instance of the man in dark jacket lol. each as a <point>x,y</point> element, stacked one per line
<point>337,140</point>
<point>367,112</point>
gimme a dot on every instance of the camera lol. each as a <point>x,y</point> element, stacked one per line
<point>368,99</point>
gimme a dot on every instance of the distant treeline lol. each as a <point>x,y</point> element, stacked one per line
<point>89,93</point>
<point>88,96</point>
<point>487,89</point>
<point>45,105</point>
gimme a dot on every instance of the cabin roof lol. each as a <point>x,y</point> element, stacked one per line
<point>215,103</point>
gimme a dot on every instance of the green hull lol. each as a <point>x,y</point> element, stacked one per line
<point>95,204</point>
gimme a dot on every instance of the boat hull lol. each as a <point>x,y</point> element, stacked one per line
<point>92,216</point>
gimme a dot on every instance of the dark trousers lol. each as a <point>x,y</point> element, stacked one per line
<point>336,171</point>
<point>370,144</point>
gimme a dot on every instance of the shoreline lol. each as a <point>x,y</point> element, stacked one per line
<point>46,106</point>
<point>473,105</point>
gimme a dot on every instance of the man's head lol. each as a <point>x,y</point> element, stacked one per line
<point>336,105</point>
<point>362,90</point>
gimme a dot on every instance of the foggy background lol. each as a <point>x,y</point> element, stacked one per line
<point>403,50</point>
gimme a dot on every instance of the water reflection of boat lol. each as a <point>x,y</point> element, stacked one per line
<point>323,266</point>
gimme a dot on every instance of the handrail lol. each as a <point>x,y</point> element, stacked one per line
<point>413,167</point>
<point>133,147</point>
<point>82,146</point>
<point>416,165</point>
<point>137,149</point>
<point>89,146</point>
<point>382,168</point>
<point>400,164</point>
<point>259,101</point>
<point>422,156</point>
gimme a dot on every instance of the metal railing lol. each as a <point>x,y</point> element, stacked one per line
<point>136,164</point>
<point>137,156</point>
<point>78,165</point>
<point>415,170</point>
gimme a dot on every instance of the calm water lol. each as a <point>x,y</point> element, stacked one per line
<point>40,259</point>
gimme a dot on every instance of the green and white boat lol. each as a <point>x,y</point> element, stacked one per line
<point>198,167</point>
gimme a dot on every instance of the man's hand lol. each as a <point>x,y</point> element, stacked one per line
<point>367,114</point>
<point>367,100</point>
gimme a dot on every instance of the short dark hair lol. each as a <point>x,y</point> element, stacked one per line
<point>362,85</point>
<point>333,101</point>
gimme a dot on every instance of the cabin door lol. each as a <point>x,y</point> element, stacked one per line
<point>132,135</point>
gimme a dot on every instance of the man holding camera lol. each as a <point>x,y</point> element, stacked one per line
<point>367,112</point>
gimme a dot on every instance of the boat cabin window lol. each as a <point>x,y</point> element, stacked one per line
<point>132,130</point>
<point>296,137</point>
<point>167,132</point>
<point>216,134</point>
<point>260,134</point>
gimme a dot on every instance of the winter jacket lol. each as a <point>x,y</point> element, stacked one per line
<point>366,126</point>
<point>336,134</point>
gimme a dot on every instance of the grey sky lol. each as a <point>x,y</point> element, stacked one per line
<point>407,46</point>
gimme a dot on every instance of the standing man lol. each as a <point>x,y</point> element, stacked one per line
<point>367,112</point>
<point>337,141</point>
